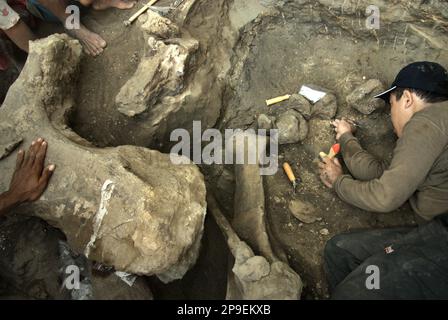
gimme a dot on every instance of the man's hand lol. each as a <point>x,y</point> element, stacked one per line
<point>330,170</point>
<point>30,178</point>
<point>342,126</point>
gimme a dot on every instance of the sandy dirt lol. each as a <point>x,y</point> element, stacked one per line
<point>102,77</point>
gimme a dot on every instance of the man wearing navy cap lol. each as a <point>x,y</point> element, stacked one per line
<point>411,263</point>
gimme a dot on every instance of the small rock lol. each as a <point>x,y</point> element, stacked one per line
<point>288,126</point>
<point>362,98</point>
<point>303,211</point>
<point>300,104</point>
<point>264,122</point>
<point>252,269</point>
<point>292,127</point>
<point>326,108</point>
<point>324,232</point>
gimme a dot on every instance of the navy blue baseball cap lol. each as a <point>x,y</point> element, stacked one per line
<point>424,75</point>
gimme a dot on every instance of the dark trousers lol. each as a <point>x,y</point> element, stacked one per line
<point>412,263</point>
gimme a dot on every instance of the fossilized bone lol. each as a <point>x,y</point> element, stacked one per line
<point>128,207</point>
<point>253,277</point>
<point>264,274</point>
<point>249,219</point>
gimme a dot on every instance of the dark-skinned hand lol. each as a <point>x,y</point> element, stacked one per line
<point>330,170</point>
<point>31,177</point>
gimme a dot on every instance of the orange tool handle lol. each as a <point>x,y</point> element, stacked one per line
<point>289,172</point>
<point>334,151</point>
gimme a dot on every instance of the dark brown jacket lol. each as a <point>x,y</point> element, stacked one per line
<point>418,170</point>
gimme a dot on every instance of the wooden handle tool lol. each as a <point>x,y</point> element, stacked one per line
<point>277,100</point>
<point>139,12</point>
<point>334,151</point>
<point>292,178</point>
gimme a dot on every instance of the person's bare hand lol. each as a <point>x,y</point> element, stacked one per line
<point>342,126</point>
<point>330,170</point>
<point>31,178</point>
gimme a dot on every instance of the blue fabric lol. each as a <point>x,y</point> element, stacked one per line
<point>46,14</point>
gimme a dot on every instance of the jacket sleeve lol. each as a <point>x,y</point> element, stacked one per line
<point>362,165</point>
<point>416,151</point>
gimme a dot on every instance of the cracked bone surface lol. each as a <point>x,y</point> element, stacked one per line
<point>260,269</point>
<point>253,277</point>
<point>249,219</point>
<point>160,74</point>
<point>127,207</point>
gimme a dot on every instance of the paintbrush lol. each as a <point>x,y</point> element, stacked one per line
<point>353,123</point>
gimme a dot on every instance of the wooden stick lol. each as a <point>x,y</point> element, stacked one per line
<point>277,100</point>
<point>140,12</point>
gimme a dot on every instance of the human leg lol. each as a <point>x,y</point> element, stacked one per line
<point>92,43</point>
<point>414,267</point>
<point>345,252</point>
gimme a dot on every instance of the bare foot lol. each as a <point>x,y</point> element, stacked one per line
<point>92,43</point>
<point>105,4</point>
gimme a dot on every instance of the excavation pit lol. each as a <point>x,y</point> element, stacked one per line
<point>248,52</point>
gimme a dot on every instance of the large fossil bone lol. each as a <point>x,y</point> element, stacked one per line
<point>249,219</point>
<point>253,277</point>
<point>158,76</point>
<point>128,207</point>
<point>260,269</point>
